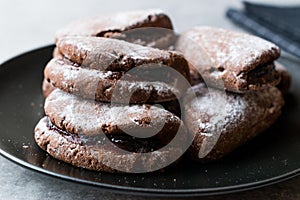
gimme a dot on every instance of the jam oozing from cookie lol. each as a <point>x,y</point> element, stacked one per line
<point>263,74</point>
<point>123,141</point>
<point>69,136</point>
<point>133,144</point>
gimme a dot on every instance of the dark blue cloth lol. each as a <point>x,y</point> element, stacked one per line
<point>280,25</point>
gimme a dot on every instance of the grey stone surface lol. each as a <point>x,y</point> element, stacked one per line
<point>26,25</point>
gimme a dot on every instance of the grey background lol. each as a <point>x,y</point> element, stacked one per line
<point>26,25</point>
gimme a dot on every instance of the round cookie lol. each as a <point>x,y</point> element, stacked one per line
<point>132,26</point>
<point>101,157</point>
<point>172,106</point>
<point>222,121</point>
<point>89,118</point>
<point>105,25</point>
<point>229,60</point>
<point>151,28</point>
<point>103,85</point>
<point>107,54</point>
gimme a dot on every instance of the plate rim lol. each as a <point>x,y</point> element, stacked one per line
<point>157,192</point>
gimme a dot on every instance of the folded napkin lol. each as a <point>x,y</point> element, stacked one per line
<point>279,24</point>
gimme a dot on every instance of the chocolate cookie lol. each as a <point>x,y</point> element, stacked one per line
<point>89,118</point>
<point>222,121</point>
<point>57,54</point>
<point>115,55</point>
<point>93,67</point>
<point>229,60</point>
<point>102,86</point>
<point>100,156</point>
<point>47,88</point>
<point>286,78</point>
<point>196,77</point>
<point>172,106</point>
<point>284,84</point>
<point>145,27</point>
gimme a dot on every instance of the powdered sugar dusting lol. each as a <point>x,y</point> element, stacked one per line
<point>110,22</point>
<point>212,111</point>
<point>160,88</point>
<point>95,50</point>
<point>86,80</point>
<point>217,113</point>
<point>228,48</point>
<point>218,110</point>
<point>88,117</point>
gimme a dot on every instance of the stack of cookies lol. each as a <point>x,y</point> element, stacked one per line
<point>243,90</point>
<point>119,95</point>
<point>94,100</point>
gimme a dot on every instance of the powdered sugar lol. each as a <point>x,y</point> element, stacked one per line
<point>88,117</point>
<point>159,88</point>
<point>221,108</point>
<point>89,81</point>
<point>228,48</point>
<point>213,112</point>
<point>110,22</point>
<point>71,73</point>
<point>234,117</point>
<point>103,51</point>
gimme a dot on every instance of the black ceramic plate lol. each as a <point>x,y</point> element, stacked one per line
<point>270,158</point>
